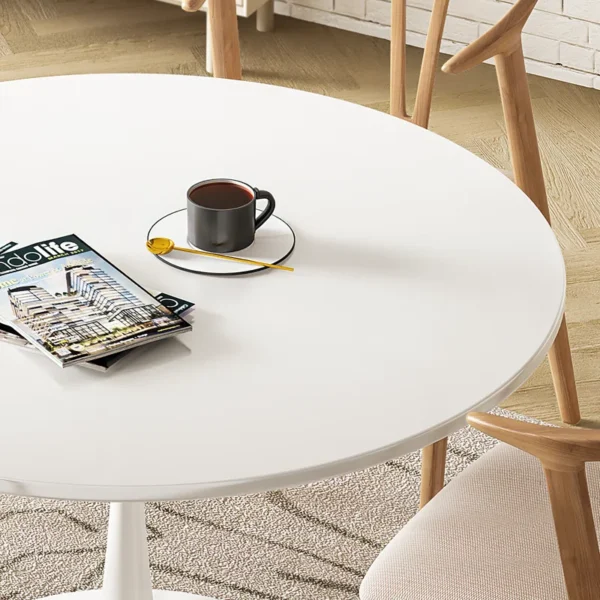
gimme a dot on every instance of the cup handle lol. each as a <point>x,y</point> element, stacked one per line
<point>268,211</point>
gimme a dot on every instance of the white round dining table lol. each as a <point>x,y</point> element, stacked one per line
<point>426,285</point>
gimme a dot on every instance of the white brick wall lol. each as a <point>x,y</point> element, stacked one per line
<point>561,40</point>
<point>352,8</point>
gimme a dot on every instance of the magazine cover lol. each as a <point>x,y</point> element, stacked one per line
<point>75,306</point>
<point>176,305</point>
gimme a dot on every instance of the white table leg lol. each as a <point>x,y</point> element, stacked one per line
<point>209,62</point>
<point>127,569</point>
<point>265,16</point>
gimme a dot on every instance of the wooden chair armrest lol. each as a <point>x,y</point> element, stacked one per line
<point>503,38</point>
<point>558,448</point>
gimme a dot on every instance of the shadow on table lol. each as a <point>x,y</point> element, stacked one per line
<point>340,256</point>
<point>153,355</point>
<point>210,344</point>
<point>142,358</point>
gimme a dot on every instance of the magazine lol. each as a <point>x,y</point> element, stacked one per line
<point>74,306</point>
<point>176,305</point>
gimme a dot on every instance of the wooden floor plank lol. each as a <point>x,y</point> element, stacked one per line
<point>37,10</point>
<point>541,403</point>
<point>591,236</point>
<point>112,17</point>
<point>4,47</point>
<point>124,57</point>
<point>67,8</point>
<point>568,235</point>
<point>15,27</point>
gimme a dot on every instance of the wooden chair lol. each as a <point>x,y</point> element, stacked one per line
<point>502,529</point>
<point>227,63</point>
<point>226,60</point>
<point>503,42</point>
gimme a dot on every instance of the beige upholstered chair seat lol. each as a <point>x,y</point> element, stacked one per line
<point>488,535</point>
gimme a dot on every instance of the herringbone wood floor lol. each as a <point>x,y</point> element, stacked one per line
<point>49,37</point>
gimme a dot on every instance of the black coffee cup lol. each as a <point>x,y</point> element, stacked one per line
<point>222,214</point>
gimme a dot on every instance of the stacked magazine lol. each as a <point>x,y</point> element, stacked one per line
<point>61,298</point>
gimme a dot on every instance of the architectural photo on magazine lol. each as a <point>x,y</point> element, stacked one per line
<point>178,306</point>
<point>75,306</point>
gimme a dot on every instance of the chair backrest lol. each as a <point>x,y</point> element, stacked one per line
<point>433,41</point>
<point>503,42</point>
<point>226,51</point>
<point>563,454</point>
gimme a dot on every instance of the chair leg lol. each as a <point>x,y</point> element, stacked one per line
<point>433,469</point>
<point>265,16</point>
<point>209,51</point>
<point>563,376</point>
<point>226,41</point>
<point>429,65</point>
<point>529,176</point>
<point>398,59</point>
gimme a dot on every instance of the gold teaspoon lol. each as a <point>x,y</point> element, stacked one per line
<point>165,245</point>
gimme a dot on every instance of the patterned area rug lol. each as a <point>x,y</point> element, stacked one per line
<point>313,542</point>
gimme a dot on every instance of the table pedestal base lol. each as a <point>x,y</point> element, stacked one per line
<point>127,569</point>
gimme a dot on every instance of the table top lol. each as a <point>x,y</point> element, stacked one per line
<point>426,285</point>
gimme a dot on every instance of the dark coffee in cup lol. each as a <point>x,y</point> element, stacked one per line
<point>221,195</point>
<point>222,214</point>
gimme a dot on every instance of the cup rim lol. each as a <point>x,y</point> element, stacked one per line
<point>237,182</point>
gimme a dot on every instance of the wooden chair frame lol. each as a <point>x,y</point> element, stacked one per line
<point>563,454</point>
<point>227,62</point>
<point>503,42</point>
